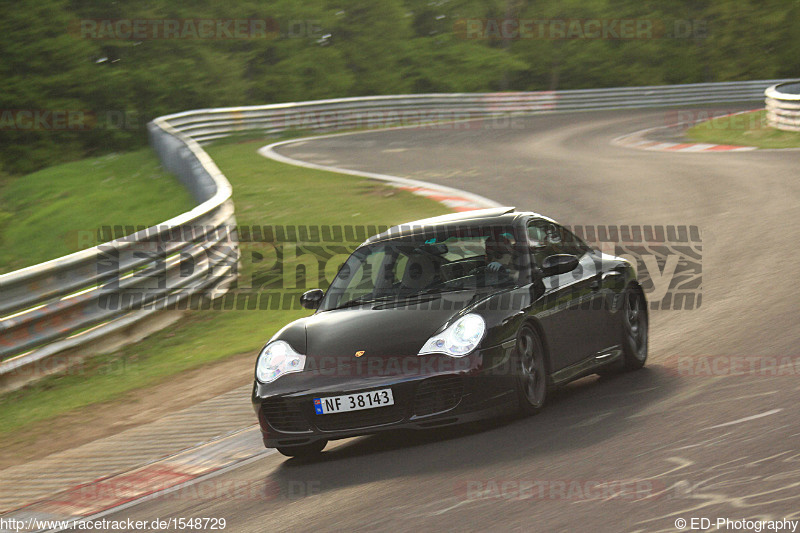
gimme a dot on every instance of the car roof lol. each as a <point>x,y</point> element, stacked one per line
<point>478,217</point>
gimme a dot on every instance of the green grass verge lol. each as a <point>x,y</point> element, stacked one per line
<point>56,211</point>
<point>265,193</point>
<point>746,129</point>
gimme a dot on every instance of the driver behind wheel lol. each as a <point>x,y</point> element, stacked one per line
<point>500,255</point>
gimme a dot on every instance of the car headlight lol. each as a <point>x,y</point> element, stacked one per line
<point>276,359</point>
<point>459,339</point>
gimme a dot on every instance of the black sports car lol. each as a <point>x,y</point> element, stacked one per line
<point>447,320</point>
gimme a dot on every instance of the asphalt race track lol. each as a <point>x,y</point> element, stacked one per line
<point>629,453</point>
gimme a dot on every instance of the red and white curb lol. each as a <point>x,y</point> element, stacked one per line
<point>186,475</point>
<point>455,199</point>
<point>634,140</point>
<point>639,141</point>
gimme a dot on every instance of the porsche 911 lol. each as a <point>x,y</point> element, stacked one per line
<point>448,320</point>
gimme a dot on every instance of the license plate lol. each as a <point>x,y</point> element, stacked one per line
<point>353,402</point>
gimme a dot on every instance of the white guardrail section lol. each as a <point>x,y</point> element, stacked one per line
<point>67,305</point>
<point>52,313</point>
<point>783,106</point>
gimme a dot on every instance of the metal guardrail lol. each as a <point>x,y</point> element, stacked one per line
<point>60,306</point>
<point>206,125</point>
<point>80,299</point>
<point>783,106</point>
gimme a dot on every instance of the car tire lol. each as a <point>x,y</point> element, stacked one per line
<point>532,380</point>
<point>634,329</point>
<point>311,449</point>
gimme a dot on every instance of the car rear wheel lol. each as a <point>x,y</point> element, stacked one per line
<point>532,375</point>
<point>304,450</point>
<point>634,329</point>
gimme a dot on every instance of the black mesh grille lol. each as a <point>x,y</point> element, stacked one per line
<point>359,419</point>
<point>438,394</point>
<point>283,417</point>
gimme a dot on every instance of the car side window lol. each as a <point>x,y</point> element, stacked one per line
<point>571,243</point>
<point>536,234</point>
<point>547,238</point>
<point>400,265</point>
<point>544,239</point>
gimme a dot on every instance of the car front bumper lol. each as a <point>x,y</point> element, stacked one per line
<point>477,386</point>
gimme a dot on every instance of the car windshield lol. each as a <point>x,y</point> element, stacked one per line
<point>449,260</point>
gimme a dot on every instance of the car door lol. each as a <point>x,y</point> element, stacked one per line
<point>571,304</point>
<point>605,281</point>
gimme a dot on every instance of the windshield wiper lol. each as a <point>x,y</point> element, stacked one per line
<point>403,298</point>
<point>361,301</point>
<point>397,297</point>
<point>435,290</point>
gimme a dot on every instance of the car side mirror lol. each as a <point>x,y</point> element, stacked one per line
<point>559,264</point>
<point>311,299</point>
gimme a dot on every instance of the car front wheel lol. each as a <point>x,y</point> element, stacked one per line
<point>532,375</point>
<point>634,329</point>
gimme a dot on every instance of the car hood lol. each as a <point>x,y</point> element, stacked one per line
<point>397,329</point>
<point>378,332</point>
<point>389,335</point>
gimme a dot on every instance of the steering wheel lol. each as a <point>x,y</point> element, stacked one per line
<point>502,273</point>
